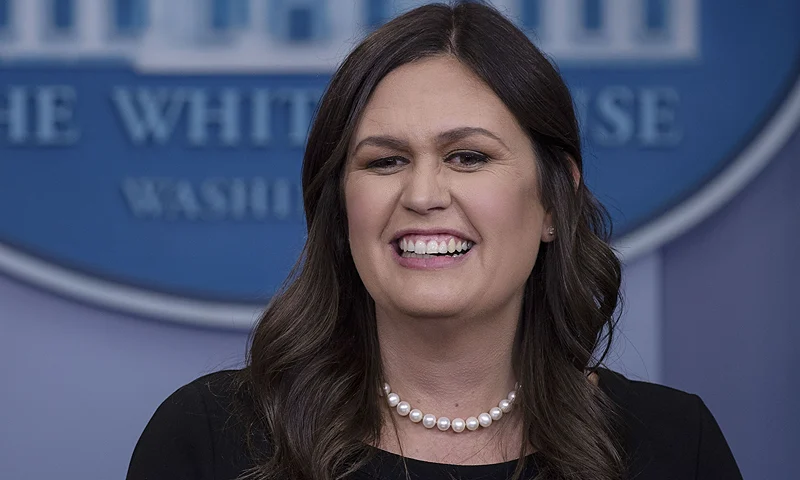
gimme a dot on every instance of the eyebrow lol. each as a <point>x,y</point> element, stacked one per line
<point>444,138</point>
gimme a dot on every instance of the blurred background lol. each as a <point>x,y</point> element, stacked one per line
<point>150,203</point>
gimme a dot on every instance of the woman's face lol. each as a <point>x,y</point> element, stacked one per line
<point>438,166</point>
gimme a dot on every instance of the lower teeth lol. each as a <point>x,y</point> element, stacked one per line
<point>423,255</point>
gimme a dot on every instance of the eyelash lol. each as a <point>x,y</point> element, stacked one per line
<point>380,164</point>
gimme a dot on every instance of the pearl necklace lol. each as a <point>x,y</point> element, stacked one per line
<point>443,423</point>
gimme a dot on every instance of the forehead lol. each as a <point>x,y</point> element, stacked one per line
<point>428,96</point>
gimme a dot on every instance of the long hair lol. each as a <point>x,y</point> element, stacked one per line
<point>314,368</point>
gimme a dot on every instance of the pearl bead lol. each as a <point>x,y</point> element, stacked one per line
<point>443,423</point>
<point>458,425</point>
<point>403,408</point>
<point>484,419</point>
<point>495,413</point>
<point>429,420</point>
<point>415,415</point>
<point>472,423</point>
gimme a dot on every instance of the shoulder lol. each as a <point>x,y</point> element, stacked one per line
<point>669,430</point>
<point>205,403</point>
<point>645,400</point>
<point>194,433</point>
<point>216,391</point>
<point>211,390</point>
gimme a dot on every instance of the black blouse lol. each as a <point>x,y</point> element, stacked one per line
<point>669,435</point>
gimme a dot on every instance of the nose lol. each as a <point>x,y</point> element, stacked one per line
<point>426,188</point>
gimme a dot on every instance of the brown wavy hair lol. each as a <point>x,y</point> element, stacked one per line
<point>314,367</point>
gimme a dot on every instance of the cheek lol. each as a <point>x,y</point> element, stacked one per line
<point>508,216</point>
<point>366,212</point>
<point>509,212</point>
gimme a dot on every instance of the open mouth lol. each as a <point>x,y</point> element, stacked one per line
<point>412,246</point>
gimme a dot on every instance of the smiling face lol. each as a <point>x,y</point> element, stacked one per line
<point>441,194</point>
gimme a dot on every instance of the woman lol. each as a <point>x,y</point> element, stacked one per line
<point>454,289</point>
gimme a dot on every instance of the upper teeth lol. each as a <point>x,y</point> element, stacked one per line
<point>428,246</point>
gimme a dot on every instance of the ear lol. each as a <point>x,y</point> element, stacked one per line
<point>576,173</point>
<point>549,231</point>
<point>548,228</point>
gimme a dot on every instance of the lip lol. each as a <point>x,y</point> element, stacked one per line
<point>433,263</point>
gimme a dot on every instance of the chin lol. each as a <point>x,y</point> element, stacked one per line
<point>430,306</point>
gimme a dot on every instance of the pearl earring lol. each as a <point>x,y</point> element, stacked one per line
<point>551,231</point>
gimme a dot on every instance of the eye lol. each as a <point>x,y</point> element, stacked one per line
<point>387,164</point>
<point>467,159</point>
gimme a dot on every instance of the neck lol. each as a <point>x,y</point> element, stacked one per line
<point>454,367</point>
